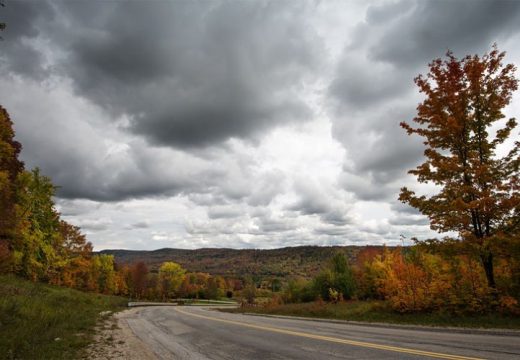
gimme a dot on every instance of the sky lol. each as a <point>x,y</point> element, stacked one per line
<point>237,124</point>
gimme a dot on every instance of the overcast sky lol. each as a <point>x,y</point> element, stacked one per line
<point>237,124</point>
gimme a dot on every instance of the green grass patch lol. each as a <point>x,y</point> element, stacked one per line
<point>200,302</point>
<point>378,311</point>
<point>39,321</point>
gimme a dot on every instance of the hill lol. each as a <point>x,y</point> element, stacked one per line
<point>302,261</point>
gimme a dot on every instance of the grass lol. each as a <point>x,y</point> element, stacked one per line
<point>39,321</point>
<point>196,302</point>
<point>378,311</point>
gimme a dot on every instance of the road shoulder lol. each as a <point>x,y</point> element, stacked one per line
<point>115,340</point>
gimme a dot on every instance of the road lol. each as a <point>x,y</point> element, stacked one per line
<point>201,333</point>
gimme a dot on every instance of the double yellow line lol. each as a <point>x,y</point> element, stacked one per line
<point>334,340</point>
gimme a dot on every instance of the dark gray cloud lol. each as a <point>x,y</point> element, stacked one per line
<point>23,20</point>
<point>358,86</point>
<point>398,39</point>
<point>184,74</point>
<point>373,91</point>
<point>187,74</point>
<point>390,149</point>
<point>430,28</point>
<point>380,151</point>
<point>71,142</point>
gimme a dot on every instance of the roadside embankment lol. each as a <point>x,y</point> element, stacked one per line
<point>39,321</point>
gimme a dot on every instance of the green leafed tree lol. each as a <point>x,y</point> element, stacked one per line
<point>338,276</point>
<point>103,275</point>
<point>462,124</point>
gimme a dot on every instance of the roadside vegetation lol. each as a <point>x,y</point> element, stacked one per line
<point>420,285</point>
<point>377,311</point>
<point>39,321</point>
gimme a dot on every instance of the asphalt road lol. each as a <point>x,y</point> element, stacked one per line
<point>202,333</point>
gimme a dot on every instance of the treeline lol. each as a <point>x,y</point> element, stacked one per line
<point>428,277</point>
<point>172,281</point>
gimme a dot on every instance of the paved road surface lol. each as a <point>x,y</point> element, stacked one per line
<point>202,333</point>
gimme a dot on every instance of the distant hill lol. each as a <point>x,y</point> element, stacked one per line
<point>302,261</point>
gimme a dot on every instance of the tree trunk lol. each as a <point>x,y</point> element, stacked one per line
<point>487,262</point>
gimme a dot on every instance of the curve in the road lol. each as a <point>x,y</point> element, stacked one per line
<point>333,339</point>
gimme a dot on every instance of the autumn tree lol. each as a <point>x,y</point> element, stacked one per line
<point>37,238</point>
<point>138,280</point>
<point>365,273</point>
<point>249,291</point>
<point>463,125</point>
<point>215,287</point>
<point>171,276</point>
<point>10,169</point>
<point>75,254</point>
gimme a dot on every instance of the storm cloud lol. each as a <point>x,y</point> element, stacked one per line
<point>230,123</point>
<point>185,74</point>
<point>373,90</point>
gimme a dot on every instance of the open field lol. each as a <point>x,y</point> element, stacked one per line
<point>377,311</point>
<point>39,321</point>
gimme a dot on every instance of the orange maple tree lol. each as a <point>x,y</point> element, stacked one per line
<point>462,123</point>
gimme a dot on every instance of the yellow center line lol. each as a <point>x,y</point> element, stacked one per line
<point>333,339</point>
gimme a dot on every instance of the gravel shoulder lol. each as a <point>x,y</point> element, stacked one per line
<point>115,340</point>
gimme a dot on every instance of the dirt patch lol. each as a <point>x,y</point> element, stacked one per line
<point>115,340</point>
